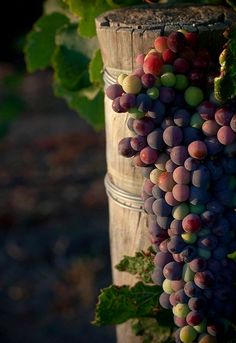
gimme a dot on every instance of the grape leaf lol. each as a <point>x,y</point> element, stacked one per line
<point>72,57</point>
<point>40,43</point>
<point>117,304</point>
<point>87,12</point>
<point>96,68</point>
<point>151,331</point>
<point>140,264</point>
<point>89,103</point>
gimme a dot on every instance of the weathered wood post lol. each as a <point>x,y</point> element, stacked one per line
<point>122,35</point>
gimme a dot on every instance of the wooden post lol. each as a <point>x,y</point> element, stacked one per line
<point>122,35</point>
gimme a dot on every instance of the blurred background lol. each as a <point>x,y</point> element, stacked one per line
<point>54,246</point>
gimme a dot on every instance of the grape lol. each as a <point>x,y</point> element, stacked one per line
<point>116,106</point>
<point>180,322</point>
<point>172,136</point>
<point>135,113</point>
<point>153,93</point>
<point>169,198</point>
<point>181,118</point>
<point>188,274</point>
<point>130,123</point>
<point>155,139</point>
<point>157,111</point>
<point>121,78</point>
<point>161,208</point>
<point>197,149</point>
<point>167,121</point>
<point>189,237</point>
<point>180,211</point>
<point>192,38</point>
<point>191,164</point>
<point>196,121</point>
<point>201,328</point>
<point>223,116</point>
<point>143,126</point>
<point>157,192</point>
<point>148,186</point>
<point>204,279</point>
<point>138,162</point>
<point>138,142</point>
<point>176,41</point>
<point>193,96</point>
<point>198,196</point>
<point>163,244</point>
<point>206,110</point>
<point>215,168</point>
<point>198,209</point>
<point>179,154</point>
<point>143,102</point>
<point>148,205</point>
<point>148,80</point>
<point>191,289</point>
<point>138,72</point>
<point>196,78</point>
<point>125,149</point>
<point>176,285</point>
<point>213,266</point>
<point>168,79</point>
<point>181,175</point>
<point>233,123</point>
<point>181,310</point>
<point>152,64</point>
<point>204,338</point>
<point>157,276</point>
<point>226,135</point>
<point>168,56</point>
<point>181,192</point>
<point>181,66</point>
<point>164,222</point>
<point>208,218</point>
<point>167,95</point>
<point>155,175</point>
<point>204,253</point>
<point>197,303</point>
<point>194,318</point>
<point>181,82</point>
<point>187,334</point>
<point>160,44</point>
<point>181,297</point>
<point>161,259</point>
<point>198,265</point>
<point>164,301</point>
<point>146,171</point>
<point>114,91</point>
<point>191,223</point>
<point>132,84</point>
<point>148,155</point>
<point>189,253</point>
<point>213,145</point>
<point>175,245</point>
<point>166,182</point>
<point>161,161</point>
<point>170,166</point>
<point>210,128</point>
<point>176,227</point>
<point>191,134</point>
<point>127,101</point>
<point>173,271</point>
<point>201,177</point>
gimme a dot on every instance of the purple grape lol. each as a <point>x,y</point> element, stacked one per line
<point>181,117</point>
<point>127,101</point>
<point>130,124</point>
<point>198,265</point>
<point>197,303</point>
<point>164,301</point>
<point>198,196</point>
<point>161,208</point>
<point>188,253</point>
<point>192,290</point>
<point>148,205</point>
<point>143,126</point>
<point>148,80</point>
<point>206,110</point>
<point>213,145</point>
<point>176,244</point>
<point>176,227</point>
<point>223,116</point>
<point>146,171</point>
<point>157,276</point>
<point>172,136</point>
<point>164,222</point>
<point>157,111</point>
<point>138,142</point>
<point>116,106</point>
<point>181,297</point>
<point>148,186</point>
<point>114,91</point>
<point>167,95</point>
<point>157,192</point>
<point>167,122</point>
<point>170,166</point>
<point>161,259</point>
<point>204,279</point>
<point>191,134</point>
<point>125,149</point>
<point>155,139</point>
<point>191,164</point>
<point>143,102</point>
<point>173,271</point>
<point>215,168</point>
<point>179,154</point>
<point>201,177</point>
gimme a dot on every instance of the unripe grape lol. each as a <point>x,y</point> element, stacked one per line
<point>132,84</point>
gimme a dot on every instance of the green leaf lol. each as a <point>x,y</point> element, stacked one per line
<point>116,304</point>
<point>96,68</point>
<point>89,103</point>
<point>141,264</point>
<point>40,42</point>
<point>87,13</point>
<point>72,57</point>
<point>151,331</point>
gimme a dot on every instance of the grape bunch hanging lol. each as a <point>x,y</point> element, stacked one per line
<point>184,142</point>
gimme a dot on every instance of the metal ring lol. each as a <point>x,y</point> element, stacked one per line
<point>108,78</point>
<point>121,197</point>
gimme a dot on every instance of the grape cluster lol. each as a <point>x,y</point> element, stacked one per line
<point>185,143</point>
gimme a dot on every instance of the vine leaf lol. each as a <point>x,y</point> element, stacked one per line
<point>141,264</point>
<point>151,331</point>
<point>87,12</point>
<point>40,42</point>
<point>88,102</point>
<point>72,57</point>
<point>117,304</point>
<point>96,68</point>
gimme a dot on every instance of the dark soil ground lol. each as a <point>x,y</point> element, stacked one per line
<point>54,249</point>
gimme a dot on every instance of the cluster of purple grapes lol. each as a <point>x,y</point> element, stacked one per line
<point>185,143</point>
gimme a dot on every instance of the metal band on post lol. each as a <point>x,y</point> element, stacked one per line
<point>124,199</point>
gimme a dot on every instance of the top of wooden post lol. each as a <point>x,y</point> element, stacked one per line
<point>124,33</point>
